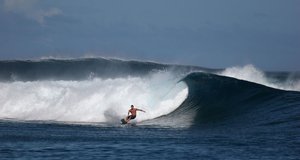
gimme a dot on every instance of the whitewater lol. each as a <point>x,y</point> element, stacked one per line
<point>94,100</point>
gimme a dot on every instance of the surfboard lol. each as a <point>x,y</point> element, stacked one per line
<point>123,121</point>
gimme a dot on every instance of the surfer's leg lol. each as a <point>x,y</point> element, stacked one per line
<point>128,118</point>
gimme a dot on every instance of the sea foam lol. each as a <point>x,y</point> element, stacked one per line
<point>253,74</point>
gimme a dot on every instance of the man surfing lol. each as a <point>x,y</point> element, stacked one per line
<point>132,111</point>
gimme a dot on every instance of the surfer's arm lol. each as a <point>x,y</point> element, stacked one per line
<point>141,110</point>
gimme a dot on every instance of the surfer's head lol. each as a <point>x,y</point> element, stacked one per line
<point>131,106</point>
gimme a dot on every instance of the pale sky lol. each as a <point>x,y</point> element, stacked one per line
<point>207,33</point>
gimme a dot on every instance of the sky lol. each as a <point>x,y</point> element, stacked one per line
<point>207,33</point>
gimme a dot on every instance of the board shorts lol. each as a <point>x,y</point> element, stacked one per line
<point>131,117</point>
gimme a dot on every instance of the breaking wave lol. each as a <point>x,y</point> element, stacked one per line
<point>101,90</point>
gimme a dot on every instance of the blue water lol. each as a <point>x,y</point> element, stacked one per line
<point>31,140</point>
<point>221,117</point>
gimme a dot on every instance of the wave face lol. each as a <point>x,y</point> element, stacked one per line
<point>232,102</point>
<point>101,90</point>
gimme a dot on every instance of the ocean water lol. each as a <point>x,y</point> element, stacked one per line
<point>71,109</point>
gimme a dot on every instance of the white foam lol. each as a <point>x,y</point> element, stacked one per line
<point>252,74</point>
<point>95,100</point>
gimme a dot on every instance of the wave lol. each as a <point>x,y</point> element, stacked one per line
<point>101,90</point>
<point>81,69</point>
<point>231,102</point>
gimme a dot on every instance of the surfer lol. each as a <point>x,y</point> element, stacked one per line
<point>132,112</point>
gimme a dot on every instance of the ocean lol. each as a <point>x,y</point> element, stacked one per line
<point>71,109</point>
